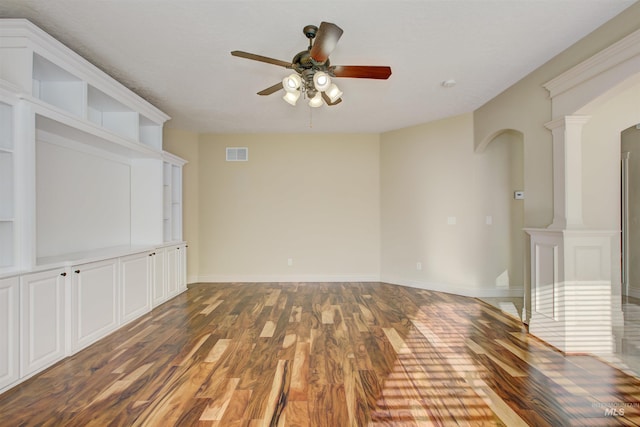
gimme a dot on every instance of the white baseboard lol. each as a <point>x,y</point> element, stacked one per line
<point>513,292</point>
<point>216,278</point>
<point>633,292</point>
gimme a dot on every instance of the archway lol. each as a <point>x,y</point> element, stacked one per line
<point>501,157</point>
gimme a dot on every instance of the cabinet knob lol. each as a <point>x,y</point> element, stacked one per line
<point>63,274</point>
<point>77,271</point>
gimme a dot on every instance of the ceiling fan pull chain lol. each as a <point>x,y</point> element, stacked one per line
<point>310,118</point>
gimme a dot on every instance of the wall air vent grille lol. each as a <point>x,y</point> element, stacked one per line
<point>237,154</point>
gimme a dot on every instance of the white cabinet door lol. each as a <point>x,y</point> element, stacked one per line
<point>158,280</point>
<point>94,303</point>
<point>173,271</point>
<point>134,286</point>
<point>9,339</point>
<point>42,319</point>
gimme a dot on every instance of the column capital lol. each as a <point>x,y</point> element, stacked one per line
<point>567,120</point>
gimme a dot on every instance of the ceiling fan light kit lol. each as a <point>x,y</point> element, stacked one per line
<point>316,101</point>
<point>313,72</point>
<point>321,81</point>
<point>291,97</point>
<point>334,93</point>
<point>291,83</point>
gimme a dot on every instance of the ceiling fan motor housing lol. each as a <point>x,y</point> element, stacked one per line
<point>310,31</point>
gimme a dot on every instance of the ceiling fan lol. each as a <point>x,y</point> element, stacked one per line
<point>313,71</point>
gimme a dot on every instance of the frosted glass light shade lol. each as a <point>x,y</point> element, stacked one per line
<point>291,97</point>
<point>291,83</point>
<point>321,81</point>
<point>333,93</point>
<point>316,101</point>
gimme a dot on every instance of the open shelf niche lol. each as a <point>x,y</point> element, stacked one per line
<point>6,186</point>
<point>58,87</point>
<point>172,197</point>
<point>45,71</point>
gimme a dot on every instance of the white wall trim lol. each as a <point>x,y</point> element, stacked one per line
<point>240,278</point>
<point>583,86</point>
<point>613,55</point>
<point>513,292</point>
<point>634,292</point>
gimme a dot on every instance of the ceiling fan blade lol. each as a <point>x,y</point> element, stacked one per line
<point>362,71</point>
<point>261,58</point>
<point>272,89</point>
<point>328,100</point>
<point>325,41</point>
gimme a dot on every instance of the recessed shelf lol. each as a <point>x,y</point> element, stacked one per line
<point>56,86</point>
<point>111,114</point>
<point>6,185</point>
<point>91,136</point>
<point>172,200</point>
<point>6,127</point>
<point>150,132</point>
<point>7,246</point>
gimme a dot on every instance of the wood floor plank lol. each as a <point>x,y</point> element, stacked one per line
<point>323,354</point>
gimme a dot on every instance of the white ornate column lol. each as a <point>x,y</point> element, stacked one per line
<point>571,265</point>
<point>567,171</point>
<point>576,269</point>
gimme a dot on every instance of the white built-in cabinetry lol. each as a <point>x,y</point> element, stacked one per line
<point>158,276</point>
<point>136,289</point>
<point>42,319</point>
<point>94,301</point>
<point>8,243</point>
<point>172,198</point>
<point>9,331</point>
<point>90,205</point>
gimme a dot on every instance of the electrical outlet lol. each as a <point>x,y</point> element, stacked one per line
<point>289,262</point>
<point>419,266</point>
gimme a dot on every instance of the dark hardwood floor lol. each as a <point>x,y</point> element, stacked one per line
<point>318,354</point>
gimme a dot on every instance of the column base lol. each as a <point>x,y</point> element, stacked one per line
<point>571,289</point>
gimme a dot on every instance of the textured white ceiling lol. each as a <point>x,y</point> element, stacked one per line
<point>175,53</point>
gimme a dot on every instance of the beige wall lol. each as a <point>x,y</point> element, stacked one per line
<point>631,144</point>
<point>526,107</point>
<point>431,176</point>
<point>603,143</point>
<point>370,206</point>
<point>313,198</point>
<point>185,144</point>
<point>601,157</point>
